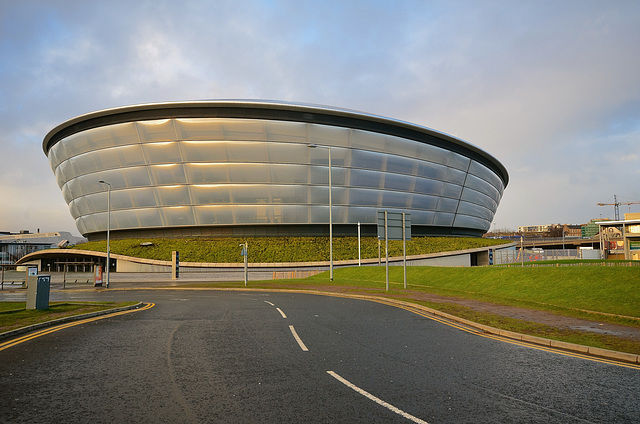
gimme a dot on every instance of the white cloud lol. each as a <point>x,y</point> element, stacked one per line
<point>550,89</point>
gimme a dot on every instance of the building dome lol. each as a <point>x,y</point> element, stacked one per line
<point>246,168</point>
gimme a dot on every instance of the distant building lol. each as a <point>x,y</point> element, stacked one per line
<point>572,230</point>
<point>591,229</point>
<point>15,246</point>
<point>533,228</point>
<point>621,236</point>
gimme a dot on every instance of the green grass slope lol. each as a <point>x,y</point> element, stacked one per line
<point>280,249</point>
<point>612,290</point>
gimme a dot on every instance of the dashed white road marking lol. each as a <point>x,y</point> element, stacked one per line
<point>281,313</point>
<point>298,339</point>
<point>375,399</point>
<point>266,301</point>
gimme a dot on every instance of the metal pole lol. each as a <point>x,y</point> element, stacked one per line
<point>330,222</point>
<point>404,249</point>
<point>359,256</point>
<point>108,228</point>
<point>108,235</point>
<point>246,262</point>
<point>522,250</point>
<point>386,248</point>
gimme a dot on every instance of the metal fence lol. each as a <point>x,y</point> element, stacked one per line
<point>503,257</point>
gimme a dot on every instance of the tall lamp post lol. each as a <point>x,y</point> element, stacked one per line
<point>108,227</point>
<point>313,146</point>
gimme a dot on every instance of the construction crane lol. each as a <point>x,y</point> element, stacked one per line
<point>616,205</point>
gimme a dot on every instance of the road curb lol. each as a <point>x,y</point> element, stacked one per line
<point>19,331</point>
<point>540,341</point>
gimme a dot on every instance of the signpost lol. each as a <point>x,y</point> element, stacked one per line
<point>245,253</point>
<point>394,226</point>
<point>175,265</point>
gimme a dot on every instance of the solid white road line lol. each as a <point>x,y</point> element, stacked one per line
<point>298,339</point>
<point>281,313</point>
<point>375,399</point>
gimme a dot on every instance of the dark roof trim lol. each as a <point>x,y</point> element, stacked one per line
<point>272,111</point>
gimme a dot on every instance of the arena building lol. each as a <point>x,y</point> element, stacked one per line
<point>249,168</point>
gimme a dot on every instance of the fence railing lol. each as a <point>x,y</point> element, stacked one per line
<point>503,257</point>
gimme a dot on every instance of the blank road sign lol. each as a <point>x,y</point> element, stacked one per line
<point>394,225</point>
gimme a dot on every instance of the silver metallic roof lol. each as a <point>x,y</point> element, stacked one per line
<point>275,110</point>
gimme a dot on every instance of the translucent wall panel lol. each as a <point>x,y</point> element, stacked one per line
<point>172,195</point>
<point>441,219</point>
<point>458,161</point>
<point>162,152</point>
<point>447,205</point>
<point>124,219</point>
<point>367,160</point>
<point>199,129</point>
<point>362,197</point>
<point>483,187</point>
<point>211,215</point>
<point>398,182</point>
<point>168,174</point>
<point>160,130</point>
<point>478,198</point>
<point>486,174</point>
<point>472,209</point>
<point>116,157</point>
<point>242,151</point>
<point>211,194</point>
<point>287,132</point>
<point>63,173</point>
<point>455,176</point>
<point>327,135</point>
<point>434,171</point>
<point>244,129</point>
<point>399,164</point>
<point>402,147</point>
<point>204,151</point>
<point>178,216</point>
<point>369,141</point>
<point>433,154</point>
<point>425,186</point>
<point>466,221</point>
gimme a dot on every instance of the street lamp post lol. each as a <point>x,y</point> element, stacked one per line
<point>108,227</point>
<point>330,213</point>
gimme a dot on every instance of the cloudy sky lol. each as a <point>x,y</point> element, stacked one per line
<point>549,88</point>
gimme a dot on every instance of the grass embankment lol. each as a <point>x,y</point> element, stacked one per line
<point>280,249</point>
<point>13,315</point>
<point>601,294</point>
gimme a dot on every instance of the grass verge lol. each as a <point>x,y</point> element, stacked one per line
<point>13,315</point>
<point>280,249</point>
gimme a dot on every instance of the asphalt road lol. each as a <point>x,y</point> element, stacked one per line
<point>233,357</point>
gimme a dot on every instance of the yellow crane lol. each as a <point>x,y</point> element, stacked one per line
<point>616,205</point>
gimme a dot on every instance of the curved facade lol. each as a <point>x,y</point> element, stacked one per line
<point>247,168</point>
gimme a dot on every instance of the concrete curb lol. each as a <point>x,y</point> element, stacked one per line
<point>19,331</point>
<point>540,341</point>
